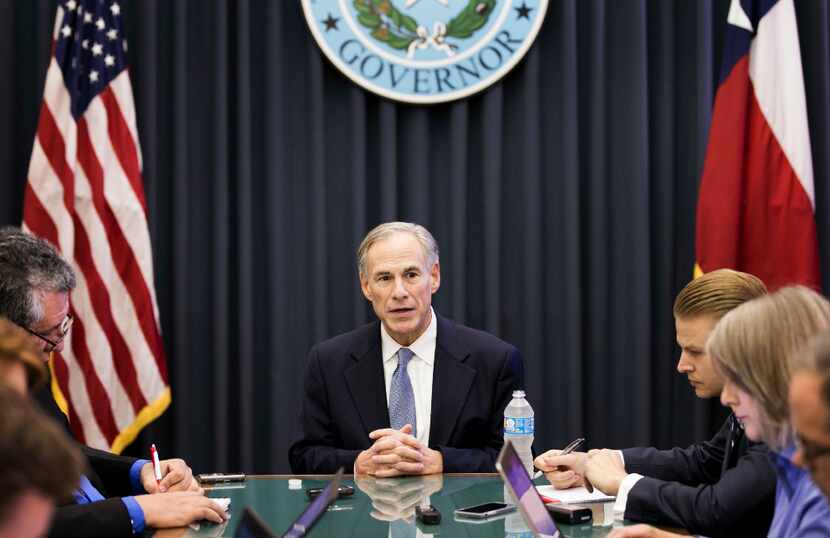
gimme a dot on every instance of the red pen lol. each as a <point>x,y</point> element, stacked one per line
<point>156,464</point>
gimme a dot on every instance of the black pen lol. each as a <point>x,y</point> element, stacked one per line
<point>570,448</point>
<point>573,445</point>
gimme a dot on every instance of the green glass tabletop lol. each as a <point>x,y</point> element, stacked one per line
<point>386,508</point>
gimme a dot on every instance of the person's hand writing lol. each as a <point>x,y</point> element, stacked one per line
<point>641,531</point>
<point>176,476</point>
<point>559,475</point>
<point>605,469</point>
<point>179,508</point>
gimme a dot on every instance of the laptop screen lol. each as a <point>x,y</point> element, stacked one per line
<point>316,509</point>
<point>517,480</point>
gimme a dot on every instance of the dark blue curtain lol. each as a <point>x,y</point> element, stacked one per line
<point>563,200</point>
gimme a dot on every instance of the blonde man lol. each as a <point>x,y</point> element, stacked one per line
<point>722,487</point>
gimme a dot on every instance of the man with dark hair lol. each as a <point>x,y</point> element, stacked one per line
<point>721,487</point>
<point>809,396</point>
<point>412,393</point>
<point>38,467</point>
<point>35,282</point>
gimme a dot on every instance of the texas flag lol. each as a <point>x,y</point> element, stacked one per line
<point>756,205</point>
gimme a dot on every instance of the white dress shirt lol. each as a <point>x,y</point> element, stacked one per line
<point>420,369</point>
<point>625,487</point>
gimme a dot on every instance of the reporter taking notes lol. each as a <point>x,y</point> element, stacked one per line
<point>755,347</point>
<point>117,496</point>
<point>722,487</point>
<point>411,393</point>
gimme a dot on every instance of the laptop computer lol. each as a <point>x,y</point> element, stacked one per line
<point>252,526</point>
<point>524,493</point>
<point>315,510</point>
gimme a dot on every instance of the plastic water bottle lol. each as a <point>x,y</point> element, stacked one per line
<point>519,428</point>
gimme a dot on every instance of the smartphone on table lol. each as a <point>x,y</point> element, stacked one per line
<point>342,491</point>
<point>485,510</point>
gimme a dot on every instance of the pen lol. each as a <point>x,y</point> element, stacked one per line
<point>156,464</point>
<point>573,445</point>
<point>570,448</point>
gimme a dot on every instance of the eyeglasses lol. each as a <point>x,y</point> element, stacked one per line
<point>810,450</point>
<point>65,325</point>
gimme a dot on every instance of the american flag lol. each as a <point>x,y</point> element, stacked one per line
<point>85,195</point>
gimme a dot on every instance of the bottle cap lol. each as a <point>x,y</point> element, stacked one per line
<point>518,394</point>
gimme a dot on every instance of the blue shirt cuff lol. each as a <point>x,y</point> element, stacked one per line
<point>135,475</point>
<point>136,514</point>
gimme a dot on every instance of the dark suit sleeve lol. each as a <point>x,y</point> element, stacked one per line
<point>482,458</point>
<point>108,472</point>
<point>112,470</point>
<point>316,452</point>
<point>103,519</point>
<point>739,504</point>
<point>699,463</point>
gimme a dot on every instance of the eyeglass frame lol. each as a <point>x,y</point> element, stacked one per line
<point>810,450</point>
<point>64,328</point>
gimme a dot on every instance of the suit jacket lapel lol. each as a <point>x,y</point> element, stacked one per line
<point>733,439</point>
<point>366,383</point>
<point>451,382</point>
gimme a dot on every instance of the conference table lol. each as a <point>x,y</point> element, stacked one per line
<point>383,508</point>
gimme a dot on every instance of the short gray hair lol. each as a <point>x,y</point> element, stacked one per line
<point>388,229</point>
<point>29,265</point>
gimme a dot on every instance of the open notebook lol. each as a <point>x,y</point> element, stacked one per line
<point>578,495</point>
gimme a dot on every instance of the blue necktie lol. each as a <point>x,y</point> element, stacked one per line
<point>401,395</point>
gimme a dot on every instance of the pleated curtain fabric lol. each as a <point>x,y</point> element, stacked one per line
<point>563,200</point>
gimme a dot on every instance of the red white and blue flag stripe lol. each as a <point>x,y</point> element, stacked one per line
<point>756,207</point>
<point>85,195</point>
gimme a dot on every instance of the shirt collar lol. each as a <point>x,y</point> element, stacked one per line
<point>423,347</point>
<point>789,474</point>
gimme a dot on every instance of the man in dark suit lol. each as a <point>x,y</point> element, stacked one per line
<point>721,487</point>
<point>412,393</point>
<point>118,496</point>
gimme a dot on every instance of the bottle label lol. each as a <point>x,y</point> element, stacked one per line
<point>518,425</point>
